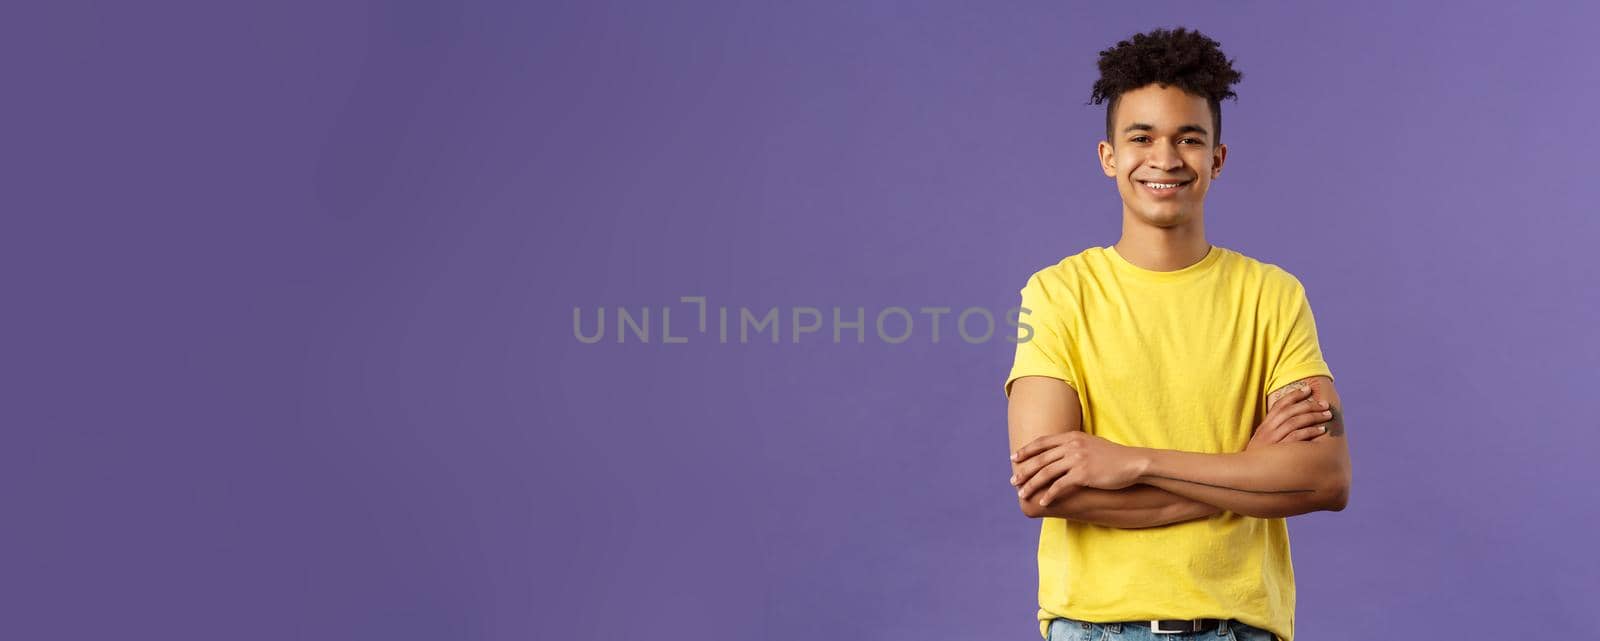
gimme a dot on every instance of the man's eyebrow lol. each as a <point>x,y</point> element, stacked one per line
<point>1190,128</point>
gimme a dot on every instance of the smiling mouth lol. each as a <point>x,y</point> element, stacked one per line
<point>1164,189</point>
<point>1165,186</point>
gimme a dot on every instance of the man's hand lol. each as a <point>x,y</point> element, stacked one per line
<point>1060,463</point>
<point>1294,416</point>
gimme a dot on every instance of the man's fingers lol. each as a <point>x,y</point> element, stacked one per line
<point>1036,446</point>
<point>1061,488</point>
<point>1294,410</point>
<point>1310,418</point>
<point>1293,427</point>
<point>1307,433</point>
<point>1289,413</point>
<point>1298,408</point>
<point>1044,477</point>
<point>1026,469</point>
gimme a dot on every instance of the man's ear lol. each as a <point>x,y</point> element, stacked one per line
<point>1218,156</point>
<point>1108,158</point>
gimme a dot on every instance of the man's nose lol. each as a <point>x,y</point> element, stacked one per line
<point>1165,158</point>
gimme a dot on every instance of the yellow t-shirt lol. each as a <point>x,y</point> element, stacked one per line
<point>1180,360</point>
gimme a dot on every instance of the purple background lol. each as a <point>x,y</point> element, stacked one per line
<point>289,296</point>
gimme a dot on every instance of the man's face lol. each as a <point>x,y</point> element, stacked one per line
<point>1162,136</point>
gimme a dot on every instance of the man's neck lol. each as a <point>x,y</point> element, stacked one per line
<point>1163,249</point>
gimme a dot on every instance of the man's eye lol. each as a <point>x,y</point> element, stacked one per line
<point>1140,138</point>
<point>1193,140</point>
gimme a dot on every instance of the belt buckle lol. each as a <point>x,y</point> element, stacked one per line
<point>1155,628</point>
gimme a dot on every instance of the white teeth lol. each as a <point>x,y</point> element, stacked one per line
<point>1162,185</point>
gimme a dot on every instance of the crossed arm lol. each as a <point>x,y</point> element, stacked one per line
<point>1129,487</point>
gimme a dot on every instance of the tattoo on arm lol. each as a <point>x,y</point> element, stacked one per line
<point>1335,424</point>
<point>1285,390</point>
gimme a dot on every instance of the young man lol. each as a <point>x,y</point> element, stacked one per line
<point>1169,405</point>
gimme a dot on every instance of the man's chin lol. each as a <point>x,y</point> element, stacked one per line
<point>1166,219</point>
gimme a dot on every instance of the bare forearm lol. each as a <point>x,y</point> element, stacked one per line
<point>1137,506</point>
<point>1269,482</point>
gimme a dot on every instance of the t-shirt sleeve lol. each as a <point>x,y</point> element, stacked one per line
<point>1299,355</point>
<point>1043,341</point>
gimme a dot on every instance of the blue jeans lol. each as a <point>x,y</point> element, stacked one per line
<point>1074,630</point>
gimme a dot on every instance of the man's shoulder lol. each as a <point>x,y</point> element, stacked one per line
<point>1064,273</point>
<point>1269,275</point>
